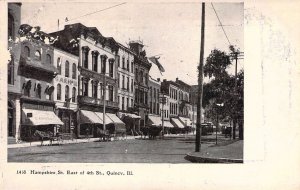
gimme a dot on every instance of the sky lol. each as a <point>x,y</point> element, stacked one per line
<point>170,30</point>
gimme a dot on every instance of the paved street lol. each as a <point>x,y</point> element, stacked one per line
<point>169,150</point>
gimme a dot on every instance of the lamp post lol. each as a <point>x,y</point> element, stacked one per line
<point>218,105</point>
<point>163,101</point>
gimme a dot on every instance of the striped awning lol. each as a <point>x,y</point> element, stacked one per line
<point>177,123</point>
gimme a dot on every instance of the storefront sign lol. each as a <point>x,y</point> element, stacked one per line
<point>66,80</point>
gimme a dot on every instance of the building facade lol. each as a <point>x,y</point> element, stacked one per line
<point>125,72</point>
<point>97,80</point>
<point>66,89</point>
<point>13,78</point>
<point>142,67</point>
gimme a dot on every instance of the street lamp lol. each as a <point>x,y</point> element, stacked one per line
<point>218,106</point>
<point>163,100</point>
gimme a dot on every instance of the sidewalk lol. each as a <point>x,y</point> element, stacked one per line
<point>47,142</point>
<point>12,144</point>
<point>223,153</point>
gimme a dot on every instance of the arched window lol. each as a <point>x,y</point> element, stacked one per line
<point>37,55</point>
<point>73,94</point>
<point>58,89</point>
<point>74,71</point>
<point>48,59</point>
<point>58,65</point>
<point>38,90</point>
<point>67,65</point>
<point>26,51</point>
<point>11,27</point>
<point>10,72</point>
<point>67,93</point>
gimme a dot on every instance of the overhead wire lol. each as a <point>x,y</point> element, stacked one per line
<point>220,23</point>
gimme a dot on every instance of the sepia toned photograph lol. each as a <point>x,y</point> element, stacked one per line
<point>125,82</point>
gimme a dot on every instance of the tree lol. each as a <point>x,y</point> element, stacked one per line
<point>221,89</point>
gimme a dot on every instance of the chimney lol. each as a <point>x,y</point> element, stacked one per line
<point>176,79</point>
<point>158,79</point>
<point>165,80</point>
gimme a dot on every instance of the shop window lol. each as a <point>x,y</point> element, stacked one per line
<point>26,51</point>
<point>48,59</point>
<point>67,65</point>
<point>67,93</point>
<point>10,71</point>
<point>73,94</point>
<point>74,71</point>
<point>58,94</point>
<point>37,55</point>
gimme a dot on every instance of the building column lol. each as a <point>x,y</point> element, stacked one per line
<point>18,119</point>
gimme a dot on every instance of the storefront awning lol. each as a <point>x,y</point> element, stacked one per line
<point>131,115</point>
<point>41,117</point>
<point>107,119</point>
<point>118,123</point>
<point>155,120</point>
<point>168,124</point>
<point>177,123</point>
<point>185,121</point>
<point>89,117</point>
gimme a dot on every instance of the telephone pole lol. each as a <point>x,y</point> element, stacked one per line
<point>200,84</point>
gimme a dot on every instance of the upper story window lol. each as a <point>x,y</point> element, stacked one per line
<point>58,65</point>
<point>123,62</point>
<point>128,81</point>
<point>74,71</point>
<point>131,85</point>
<point>141,76</point>
<point>48,59</point>
<point>38,90</point>
<point>132,66</point>
<point>73,94</point>
<point>26,51</point>
<point>37,55</point>
<point>111,93</point>
<point>111,67</point>
<point>118,80</point>
<point>85,56</point>
<point>103,63</point>
<point>123,81</point>
<point>67,71</point>
<point>67,90</point>
<point>11,26</point>
<point>95,60</point>
<point>127,65</point>
<point>58,92</point>
<point>10,71</point>
<point>85,87</point>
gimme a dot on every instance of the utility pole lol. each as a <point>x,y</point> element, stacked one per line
<point>236,54</point>
<point>200,84</point>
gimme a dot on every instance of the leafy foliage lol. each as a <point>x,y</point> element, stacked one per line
<point>216,64</point>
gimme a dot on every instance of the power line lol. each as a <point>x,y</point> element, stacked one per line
<point>95,12</point>
<point>220,23</point>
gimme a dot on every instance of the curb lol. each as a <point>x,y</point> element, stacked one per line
<point>47,143</point>
<point>200,159</point>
